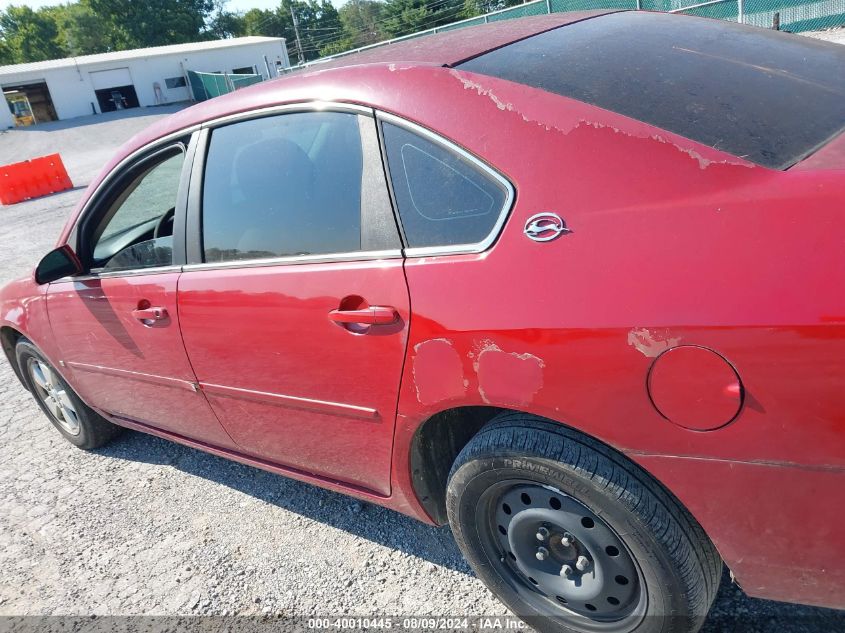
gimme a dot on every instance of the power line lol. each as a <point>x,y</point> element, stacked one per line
<point>321,42</point>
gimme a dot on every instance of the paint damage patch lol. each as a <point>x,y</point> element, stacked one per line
<point>651,343</point>
<point>703,161</point>
<point>438,372</point>
<point>483,92</point>
<point>506,377</point>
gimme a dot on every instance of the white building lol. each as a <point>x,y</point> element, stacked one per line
<point>90,84</point>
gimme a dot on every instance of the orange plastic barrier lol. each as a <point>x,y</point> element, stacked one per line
<point>33,179</point>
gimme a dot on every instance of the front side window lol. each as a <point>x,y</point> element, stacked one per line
<point>283,186</point>
<point>443,198</point>
<point>137,229</point>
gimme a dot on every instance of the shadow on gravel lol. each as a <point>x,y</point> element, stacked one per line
<point>732,610</point>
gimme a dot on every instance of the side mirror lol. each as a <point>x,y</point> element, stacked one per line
<point>58,263</point>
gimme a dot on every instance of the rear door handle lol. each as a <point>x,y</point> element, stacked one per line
<point>374,315</point>
<point>148,315</point>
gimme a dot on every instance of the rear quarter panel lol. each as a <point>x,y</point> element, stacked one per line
<point>673,243</point>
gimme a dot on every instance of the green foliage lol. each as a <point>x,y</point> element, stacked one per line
<point>480,7</point>
<point>83,27</point>
<point>141,23</point>
<point>82,31</point>
<point>408,16</point>
<point>362,22</point>
<point>28,36</point>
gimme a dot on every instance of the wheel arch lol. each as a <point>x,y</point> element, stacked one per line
<point>438,440</point>
<point>9,338</point>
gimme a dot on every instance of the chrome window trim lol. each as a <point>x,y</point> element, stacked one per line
<point>493,235</point>
<point>297,259</point>
<point>358,256</point>
<point>305,106</point>
<point>289,108</point>
<point>133,272</point>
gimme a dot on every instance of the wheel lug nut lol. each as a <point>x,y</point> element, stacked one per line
<point>542,534</point>
<point>542,553</point>
<point>582,563</point>
<point>566,539</point>
<point>566,571</point>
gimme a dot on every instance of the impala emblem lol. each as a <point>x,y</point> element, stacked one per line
<point>544,227</point>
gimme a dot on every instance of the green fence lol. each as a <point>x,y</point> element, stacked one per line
<point>794,16</point>
<point>208,85</point>
<point>791,15</point>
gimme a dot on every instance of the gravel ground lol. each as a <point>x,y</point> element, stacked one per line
<point>833,35</point>
<point>148,527</point>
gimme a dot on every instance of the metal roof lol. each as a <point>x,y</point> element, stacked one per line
<point>136,53</point>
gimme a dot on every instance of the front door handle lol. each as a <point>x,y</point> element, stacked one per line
<point>150,315</point>
<point>374,315</point>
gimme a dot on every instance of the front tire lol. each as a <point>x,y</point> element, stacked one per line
<point>573,537</point>
<point>76,421</point>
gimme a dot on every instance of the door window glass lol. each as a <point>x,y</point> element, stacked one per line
<point>137,232</point>
<point>283,186</point>
<point>443,199</point>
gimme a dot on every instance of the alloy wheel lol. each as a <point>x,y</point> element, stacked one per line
<point>54,396</point>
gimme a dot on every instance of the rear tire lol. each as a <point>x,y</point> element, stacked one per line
<point>76,421</point>
<point>573,537</point>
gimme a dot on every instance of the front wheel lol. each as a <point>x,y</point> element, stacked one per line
<point>573,537</point>
<point>76,421</point>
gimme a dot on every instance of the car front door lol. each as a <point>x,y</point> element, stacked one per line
<point>293,305</point>
<point>118,327</point>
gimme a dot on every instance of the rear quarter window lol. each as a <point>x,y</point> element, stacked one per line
<point>444,198</point>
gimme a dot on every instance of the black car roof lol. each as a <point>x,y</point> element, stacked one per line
<point>769,97</point>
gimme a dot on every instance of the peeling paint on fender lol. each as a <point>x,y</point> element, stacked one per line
<point>703,161</point>
<point>507,377</point>
<point>650,343</point>
<point>438,372</point>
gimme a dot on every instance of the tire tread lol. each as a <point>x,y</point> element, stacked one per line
<point>696,559</point>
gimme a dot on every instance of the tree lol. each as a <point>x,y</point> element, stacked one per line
<point>480,7</point>
<point>6,56</point>
<point>142,23</point>
<point>28,36</point>
<point>318,24</point>
<point>81,30</point>
<point>408,16</point>
<point>317,21</point>
<point>361,20</point>
<point>266,22</point>
<point>224,25</point>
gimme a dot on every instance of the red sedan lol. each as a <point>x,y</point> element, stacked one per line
<point>572,284</point>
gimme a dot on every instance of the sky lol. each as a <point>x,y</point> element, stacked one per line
<point>233,5</point>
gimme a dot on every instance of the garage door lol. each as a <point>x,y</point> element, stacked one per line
<point>103,79</point>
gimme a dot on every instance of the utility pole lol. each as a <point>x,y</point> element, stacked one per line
<point>296,31</point>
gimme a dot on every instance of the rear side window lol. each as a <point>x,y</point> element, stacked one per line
<point>444,198</point>
<point>283,186</point>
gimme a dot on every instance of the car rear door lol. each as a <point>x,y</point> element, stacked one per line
<point>118,327</point>
<point>293,305</point>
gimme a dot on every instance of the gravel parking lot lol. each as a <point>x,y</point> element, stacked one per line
<point>145,526</point>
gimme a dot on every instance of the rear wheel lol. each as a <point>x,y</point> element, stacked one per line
<point>571,536</point>
<point>79,424</point>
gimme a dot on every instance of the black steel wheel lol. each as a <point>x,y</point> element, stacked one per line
<point>572,536</point>
<point>556,550</point>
